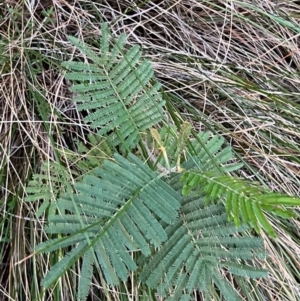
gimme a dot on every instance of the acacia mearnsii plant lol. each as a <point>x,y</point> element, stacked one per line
<point>162,202</point>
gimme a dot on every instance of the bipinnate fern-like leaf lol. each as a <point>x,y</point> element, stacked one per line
<point>202,242</point>
<point>186,243</point>
<point>244,201</point>
<point>117,88</point>
<point>120,208</point>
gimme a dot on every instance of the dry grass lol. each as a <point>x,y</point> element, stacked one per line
<point>233,65</point>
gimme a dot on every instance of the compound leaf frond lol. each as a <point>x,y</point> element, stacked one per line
<point>118,87</point>
<point>244,201</point>
<point>201,243</point>
<point>129,203</point>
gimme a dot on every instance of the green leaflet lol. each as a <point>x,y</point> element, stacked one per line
<point>279,199</point>
<point>264,223</point>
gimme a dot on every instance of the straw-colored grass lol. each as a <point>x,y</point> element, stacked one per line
<point>228,66</point>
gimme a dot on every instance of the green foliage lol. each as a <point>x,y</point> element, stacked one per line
<point>206,150</point>
<point>201,243</point>
<point>124,206</point>
<point>209,154</point>
<point>120,206</point>
<point>245,201</point>
<point>46,186</point>
<point>117,88</point>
